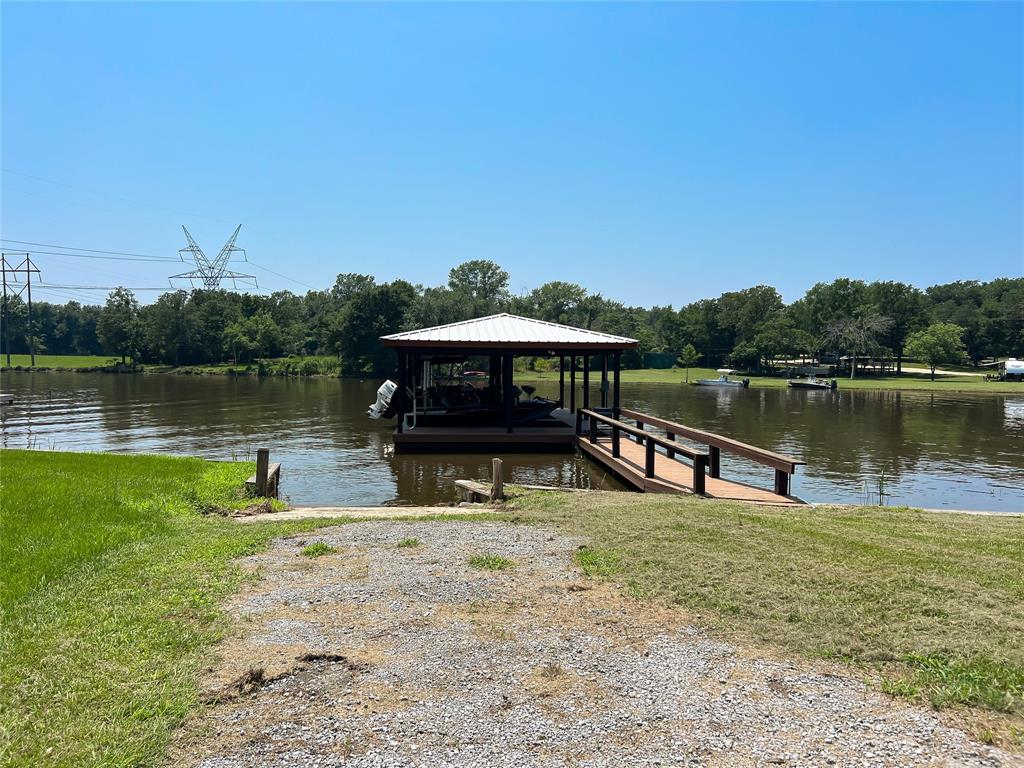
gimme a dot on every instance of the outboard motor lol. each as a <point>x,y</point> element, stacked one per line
<point>384,395</point>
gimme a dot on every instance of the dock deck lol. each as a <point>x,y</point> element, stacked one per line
<point>672,476</point>
<point>555,434</point>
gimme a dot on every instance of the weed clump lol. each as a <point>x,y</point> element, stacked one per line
<point>318,549</point>
<point>489,562</point>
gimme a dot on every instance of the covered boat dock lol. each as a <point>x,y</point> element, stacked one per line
<point>504,419</point>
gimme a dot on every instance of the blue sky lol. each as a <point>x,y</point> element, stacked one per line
<point>654,153</point>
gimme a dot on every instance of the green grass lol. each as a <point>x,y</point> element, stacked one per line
<point>491,562</point>
<point>311,365</point>
<point>62,361</point>
<point>318,549</point>
<point>931,604</point>
<point>908,381</point>
<point>111,582</point>
<point>404,543</point>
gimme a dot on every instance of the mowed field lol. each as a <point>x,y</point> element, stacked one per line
<point>954,382</point>
<point>61,361</point>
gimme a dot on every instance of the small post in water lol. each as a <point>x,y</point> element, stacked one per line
<point>262,468</point>
<point>498,483</point>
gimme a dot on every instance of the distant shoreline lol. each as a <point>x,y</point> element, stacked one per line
<point>329,367</point>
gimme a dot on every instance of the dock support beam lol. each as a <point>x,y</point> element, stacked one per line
<point>781,482</point>
<point>604,380</point>
<point>616,388</point>
<point>561,381</point>
<point>586,380</point>
<point>506,390</point>
<point>402,368</point>
<point>572,384</point>
<point>714,461</point>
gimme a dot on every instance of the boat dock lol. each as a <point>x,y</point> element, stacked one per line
<point>488,412</point>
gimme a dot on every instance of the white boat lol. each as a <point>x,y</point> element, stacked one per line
<point>812,382</point>
<point>723,380</point>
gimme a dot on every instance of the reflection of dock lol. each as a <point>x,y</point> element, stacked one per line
<point>6,399</point>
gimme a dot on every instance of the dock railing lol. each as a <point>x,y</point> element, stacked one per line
<point>650,441</point>
<point>784,466</point>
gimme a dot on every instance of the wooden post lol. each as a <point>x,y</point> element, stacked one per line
<point>615,441</point>
<point>593,428</point>
<point>579,423</point>
<point>616,387</point>
<point>671,436</point>
<point>649,463</point>
<point>781,482</point>
<point>403,358</point>
<point>497,482</point>
<point>604,380</point>
<point>262,466</point>
<point>506,390</point>
<point>640,426</point>
<point>561,381</point>
<point>572,384</point>
<point>715,458</point>
<point>586,381</point>
<point>698,475</point>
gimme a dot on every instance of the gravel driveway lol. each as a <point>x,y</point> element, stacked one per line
<point>380,655</point>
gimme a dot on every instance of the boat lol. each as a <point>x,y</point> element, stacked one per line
<point>461,405</point>
<point>723,380</point>
<point>813,382</point>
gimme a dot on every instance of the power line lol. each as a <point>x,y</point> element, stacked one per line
<point>106,194</point>
<point>87,250</point>
<point>297,282</point>
<point>104,287</point>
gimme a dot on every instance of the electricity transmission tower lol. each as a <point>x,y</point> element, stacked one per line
<point>26,268</point>
<point>211,272</point>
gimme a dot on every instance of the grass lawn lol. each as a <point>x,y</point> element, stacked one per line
<point>110,586</point>
<point>61,361</point>
<point>908,381</point>
<point>931,606</point>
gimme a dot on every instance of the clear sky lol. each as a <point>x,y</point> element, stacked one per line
<point>654,153</point>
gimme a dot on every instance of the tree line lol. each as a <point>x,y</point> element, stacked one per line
<point>751,328</point>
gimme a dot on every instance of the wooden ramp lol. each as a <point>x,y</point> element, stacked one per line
<point>651,462</point>
<point>672,476</point>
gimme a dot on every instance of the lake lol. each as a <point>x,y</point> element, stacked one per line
<point>959,451</point>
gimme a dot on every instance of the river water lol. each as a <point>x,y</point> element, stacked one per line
<point>959,451</point>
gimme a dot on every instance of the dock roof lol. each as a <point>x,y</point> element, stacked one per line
<point>505,331</point>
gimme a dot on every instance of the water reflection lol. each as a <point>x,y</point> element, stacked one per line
<point>932,449</point>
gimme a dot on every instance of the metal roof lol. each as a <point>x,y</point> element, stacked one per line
<point>505,331</point>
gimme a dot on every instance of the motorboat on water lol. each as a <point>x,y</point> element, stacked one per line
<point>723,380</point>
<point>461,405</point>
<point>813,382</point>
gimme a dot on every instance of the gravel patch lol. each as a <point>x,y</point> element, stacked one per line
<point>384,656</point>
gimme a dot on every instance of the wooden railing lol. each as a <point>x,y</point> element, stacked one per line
<point>784,466</point>
<point>594,418</point>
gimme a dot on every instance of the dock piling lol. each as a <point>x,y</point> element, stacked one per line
<point>497,481</point>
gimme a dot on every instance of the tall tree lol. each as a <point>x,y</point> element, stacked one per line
<point>938,344</point>
<point>118,328</point>
<point>482,283</point>
<point>857,335</point>
<point>906,306</point>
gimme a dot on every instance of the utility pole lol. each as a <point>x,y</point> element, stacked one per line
<point>7,338</point>
<point>26,268</point>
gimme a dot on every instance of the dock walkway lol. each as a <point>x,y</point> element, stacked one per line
<point>654,463</point>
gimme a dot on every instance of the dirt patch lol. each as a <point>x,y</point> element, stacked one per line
<point>379,655</point>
